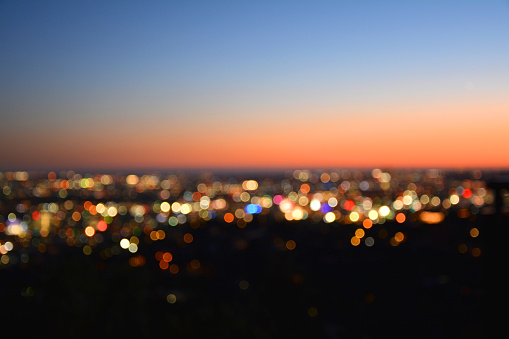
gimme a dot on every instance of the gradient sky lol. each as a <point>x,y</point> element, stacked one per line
<point>258,84</point>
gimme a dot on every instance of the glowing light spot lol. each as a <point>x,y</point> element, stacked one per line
<point>474,232</point>
<point>87,250</point>
<point>195,264</point>
<point>303,201</point>
<point>407,200</point>
<point>454,199</point>
<point>315,205</point>
<point>277,199</point>
<point>400,217</point>
<point>100,208</point>
<point>359,233</point>
<point>185,209</point>
<point>36,215</point>
<point>160,234</point>
<point>132,179</point>
<point>373,214</point>
<point>52,176</point>
<point>239,213</point>
<point>349,205</point>
<point>250,185</point>
<point>416,206</point>
<point>287,205</point>
<point>304,188</point>
<point>228,217</point>
<point>367,223</point>
<point>171,298</point>
<point>399,236</point>
<point>8,246</point>
<point>188,238</point>
<point>89,231</point>
<point>431,217</point>
<point>355,241</point>
<point>397,205</point>
<point>245,197</point>
<point>329,217</point>
<point>153,235</point>
<point>163,265</point>
<point>333,202</point>
<point>175,207</point>
<point>174,268</point>
<point>424,199</point>
<point>467,193</point>
<point>369,241</point>
<point>253,208</point>
<point>112,211</point>
<point>367,203</point>
<point>133,248</point>
<point>290,244</point>
<point>298,213</point>
<point>124,243</point>
<point>476,252</point>
<point>354,216</point>
<point>165,207</point>
<point>167,256</point>
<point>172,221</point>
<point>384,211</point>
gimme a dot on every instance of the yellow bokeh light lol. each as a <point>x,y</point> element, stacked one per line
<point>329,217</point>
<point>474,232</point>
<point>132,179</point>
<point>112,211</point>
<point>133,248</point>
<point>185,209</point>
<point>171,298</point>
<point>359,233</point>
<point>384,211</point>
<point>175,207</point>
<point>250,185</point>
<point>315,205</point>
<point>124,243</point>
<point>407,200</point>
<point>303,201</point>
<point>354,216</point>
<point>89,231</point>
<point>165,207</point>
<point>373,214</point>
<point>286,205</point>
<point>100,208</point>
<point>298,213</point>
<point>333,202</point>
<point>431,217</point>
<point>454,199</point>
<point>397,205</point>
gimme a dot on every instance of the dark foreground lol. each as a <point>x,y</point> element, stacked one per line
<point>336,255</point>
<point>422,288</point>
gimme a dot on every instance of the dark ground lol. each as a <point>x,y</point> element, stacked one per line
<point>423,288</point>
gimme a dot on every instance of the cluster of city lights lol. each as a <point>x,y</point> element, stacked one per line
<point>110,214</point>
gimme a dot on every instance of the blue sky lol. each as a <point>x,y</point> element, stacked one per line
<point>61,61</point>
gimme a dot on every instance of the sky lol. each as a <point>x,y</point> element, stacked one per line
<point>253,84</point>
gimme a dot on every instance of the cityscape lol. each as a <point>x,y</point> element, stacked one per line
<point>185,230</point>
<point>254,169</point>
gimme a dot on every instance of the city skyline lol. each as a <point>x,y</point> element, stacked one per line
<point>263,85</point>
